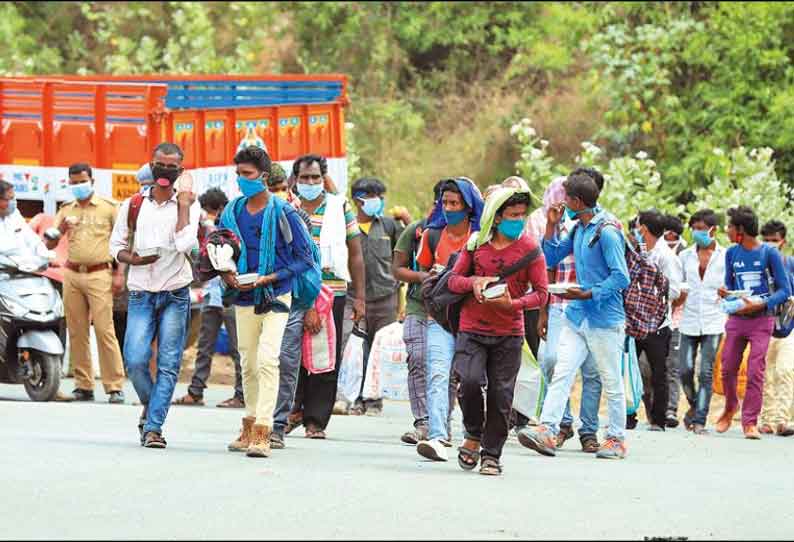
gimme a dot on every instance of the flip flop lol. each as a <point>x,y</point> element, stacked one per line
<point>465,453</point>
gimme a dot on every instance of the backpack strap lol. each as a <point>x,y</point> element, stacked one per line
<point>525,260</point>
<point>136,202</point>
<point>433,237</point>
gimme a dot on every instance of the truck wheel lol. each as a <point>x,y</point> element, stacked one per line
<point>46,378</point>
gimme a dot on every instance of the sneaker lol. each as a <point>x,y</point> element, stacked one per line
<point>446,442</point>
<point>153,439</point>
<point>141,423</point>
<point>374,408</point>
<point>432,449</point>
<point>590,444</point>
<point>540,439</point>
<point>414,437</point>
<point>277,441</point>
<point>612,449</point>
<point>656,427</point>
<point>116,397</point>
<point>671,421</point>
<point>83,395</point>
<point>341,408</point>
<point>566,432</point>
<point>358,408</point>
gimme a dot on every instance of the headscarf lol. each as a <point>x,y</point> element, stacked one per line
<point>471,196</point>
<point>492,204</point>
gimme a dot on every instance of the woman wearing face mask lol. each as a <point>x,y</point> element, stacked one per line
<point>491,335</point>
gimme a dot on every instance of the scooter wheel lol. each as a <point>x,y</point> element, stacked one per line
<point>43,385</point>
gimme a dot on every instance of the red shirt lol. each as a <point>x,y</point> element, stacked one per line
<point>484,319</point>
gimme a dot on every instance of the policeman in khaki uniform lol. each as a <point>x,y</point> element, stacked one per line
<point>89,284</point>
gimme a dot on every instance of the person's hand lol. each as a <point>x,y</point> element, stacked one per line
<point>543,323</point>
<point>68,224</point>
<point>185,199</point>
<point>504,302</point>
<point>264,280</point>
<point>722,291</point>
<point>359,309</point>
<point>576,293</point>
<point>230,278</point>
<point>312,322</point>
<point>751,307</point>
<point>480,283</point>
<point>117,286</point>
<point>136,259</point>
<point>554,215</point>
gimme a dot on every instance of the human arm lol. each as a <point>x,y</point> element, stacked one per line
<point>614,252</point>
<point>671,268</point>
<point>537,276</point>
<point>401,260</point>
<point>782,288</point>
<point>461,281</point>
<point>355,264</point>
<point>187,224</point>
<point>119,241</point>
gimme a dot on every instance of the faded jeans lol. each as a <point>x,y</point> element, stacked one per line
<point>701,399</point>
<point>289,359</point>
<point>164,316</point>
<point>440,353</point>
<point>591,383</point>
<point>575,345</point>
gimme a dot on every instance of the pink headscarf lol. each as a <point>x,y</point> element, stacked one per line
<point>554,194</point>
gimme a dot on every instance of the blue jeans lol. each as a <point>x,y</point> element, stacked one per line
<point>698,400</point>
<point>289,368</point>
<point>164,316</point>
<point>575,345</point>
<point>440,353</point>
<point>591,383</point>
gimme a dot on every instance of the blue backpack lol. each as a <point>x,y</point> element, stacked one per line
<point>783,313</point>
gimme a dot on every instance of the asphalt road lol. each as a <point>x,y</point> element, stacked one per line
<point>77,471</point>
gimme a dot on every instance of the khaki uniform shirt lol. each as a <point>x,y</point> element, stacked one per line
<point>89,240</point>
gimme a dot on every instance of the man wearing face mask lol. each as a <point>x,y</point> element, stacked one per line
<point>776,414</point>
<point>16,236</point>
<point>89,284</point>
<point>702,321</point>
<point>163,225</point>
<point>380,234</point>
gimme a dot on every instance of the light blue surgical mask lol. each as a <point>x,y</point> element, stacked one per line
<point>12,206</point>
<point>511,229</point>
<point>372,206</point>
<point>638,237</point>
<point>249,187</point>
<point>570,214</point>
<point>82,191</point>
<point>454,218</point>
<point>309,192</point>
<point>702,238</point>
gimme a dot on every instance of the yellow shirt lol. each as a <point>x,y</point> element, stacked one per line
<point>364,227</point>
<point>89,240</point>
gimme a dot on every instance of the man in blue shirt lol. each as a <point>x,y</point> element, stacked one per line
<point>749,265</point>
<point>275,245</point>
<point>594,321</point>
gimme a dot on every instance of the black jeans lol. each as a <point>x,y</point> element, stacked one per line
<point>316,394</point>
<point>656,347</point>
<point>211,320</point>
<point>497,359</point>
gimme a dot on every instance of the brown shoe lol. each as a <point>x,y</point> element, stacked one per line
<point>566,432</point>
<point>724,421</point>
<point>751,432</point>
<point>784,430</point>
<point>260,442</point>
<point>244,440</point>
<point>234,402</point>
<point>189,400</point>
<point>590,444</point>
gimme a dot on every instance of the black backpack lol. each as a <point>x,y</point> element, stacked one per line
<point>444,306</point>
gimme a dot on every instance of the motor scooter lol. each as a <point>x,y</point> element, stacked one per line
<point>31,312</point>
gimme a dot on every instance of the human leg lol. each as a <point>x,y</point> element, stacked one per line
<point>211,320</point>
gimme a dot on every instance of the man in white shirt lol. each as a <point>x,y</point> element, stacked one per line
<point>16,237</point>
<point>650,230</point>
<point>159,299</point>
<point>703,321</point>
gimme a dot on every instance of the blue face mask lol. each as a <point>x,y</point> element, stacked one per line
<point>455,217</point>
<point>250,187</point>
<point>82,191</point>
<point>310,192</point>
<point>638,237</point>
<point>702,238</point>
<point>372,206</point>
<point>511,229</point>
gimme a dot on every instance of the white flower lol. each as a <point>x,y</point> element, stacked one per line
<point>642,155</point>
<point>536,154</point>
<point>544,143</point>
<point>719,152</point>
<point>514,129</point>
<point>526,122</point>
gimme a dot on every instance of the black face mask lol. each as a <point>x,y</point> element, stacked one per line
<point>171,174</point>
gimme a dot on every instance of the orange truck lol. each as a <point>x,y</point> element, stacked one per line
<point>114,122</point>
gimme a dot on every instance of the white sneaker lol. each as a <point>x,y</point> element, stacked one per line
<point>432,449</point>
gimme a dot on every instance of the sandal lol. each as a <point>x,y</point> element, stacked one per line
<point>294,420</point>
<point>473,457</point>
<point>490,466</point>
<point>314,433</point>
<point>189,400</point>
<point>234,402</point>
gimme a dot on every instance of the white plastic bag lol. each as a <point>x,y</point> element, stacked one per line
<point>530,386</point>
<point>387,368</point>
<point>351,370</point>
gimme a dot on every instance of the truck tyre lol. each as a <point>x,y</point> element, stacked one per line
<point>46,379</point>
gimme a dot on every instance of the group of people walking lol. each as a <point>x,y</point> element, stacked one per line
<point>478,271</point>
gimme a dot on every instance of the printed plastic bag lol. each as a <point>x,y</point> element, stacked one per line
<point>351,370</point>
<point>319,351</point>
<point>530,386</point>
<point>632,377</point>
<point>741,383</point>
<point>388,348</point>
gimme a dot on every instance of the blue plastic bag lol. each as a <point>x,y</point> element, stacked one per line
<point>632,378</point>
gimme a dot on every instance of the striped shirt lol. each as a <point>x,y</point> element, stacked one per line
<point>339,286</point>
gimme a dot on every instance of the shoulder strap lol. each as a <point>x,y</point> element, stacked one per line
<point>525,260</point>
<point>136,202</point>
<point>433,237</point>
